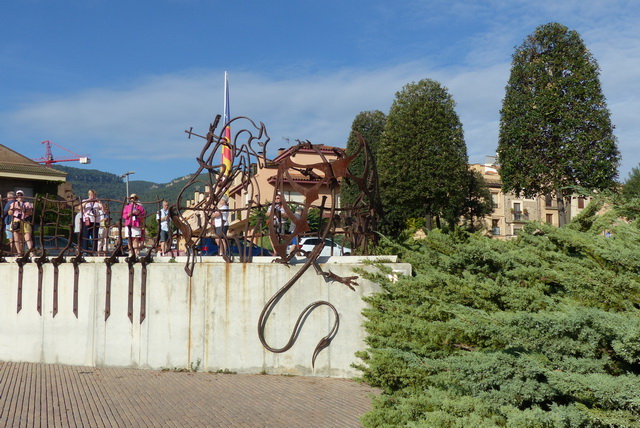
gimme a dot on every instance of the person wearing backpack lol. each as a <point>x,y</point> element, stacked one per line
<point>11,197</point>
<point>21,212</point>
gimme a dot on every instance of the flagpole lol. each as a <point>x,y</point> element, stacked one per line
<point>226,148</point>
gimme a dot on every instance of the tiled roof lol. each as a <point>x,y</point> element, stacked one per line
<point>12,162</point>
<point>321,147</point>
<point>33,169</point>
<point>298,178</point>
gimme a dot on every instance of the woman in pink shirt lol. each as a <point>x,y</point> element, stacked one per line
<point>21,212</point>
<point>133,215</point>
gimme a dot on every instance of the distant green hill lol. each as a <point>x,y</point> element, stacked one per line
<point>111,186</point>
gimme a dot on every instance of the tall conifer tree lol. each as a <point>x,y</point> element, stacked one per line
<point>422,158</point>
<point>555,128</point>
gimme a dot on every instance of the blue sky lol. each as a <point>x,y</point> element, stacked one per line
<point>122,80</point>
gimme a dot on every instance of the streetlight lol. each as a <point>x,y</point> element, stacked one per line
<point>126,175</point>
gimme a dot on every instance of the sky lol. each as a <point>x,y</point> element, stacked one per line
<point>120,81</point>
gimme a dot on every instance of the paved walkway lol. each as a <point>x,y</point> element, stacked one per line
<point>40,395</point>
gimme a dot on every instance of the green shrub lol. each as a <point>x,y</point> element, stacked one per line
<point>541,331</point>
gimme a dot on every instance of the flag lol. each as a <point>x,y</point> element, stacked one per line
<point>226,148</point>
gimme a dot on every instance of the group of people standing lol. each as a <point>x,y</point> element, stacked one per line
<point>17,215</point>
<point>92,223</point>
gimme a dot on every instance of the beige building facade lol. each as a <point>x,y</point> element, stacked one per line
<point>511,212</point>
<point>263,188</point>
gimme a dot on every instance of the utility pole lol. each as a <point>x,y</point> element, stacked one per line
<point>126,176</point>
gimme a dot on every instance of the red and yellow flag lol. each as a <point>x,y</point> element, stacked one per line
<point>226,148</point>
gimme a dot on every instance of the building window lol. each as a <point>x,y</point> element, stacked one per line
<point>550,218</point>
<point>494,197</point>
<point>518,215</point>
<point>581,202</point>
<point>548,200</point>
<point>294,197</point>
<point>495,227</point>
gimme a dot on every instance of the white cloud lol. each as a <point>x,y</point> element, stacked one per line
<point>145,121</point>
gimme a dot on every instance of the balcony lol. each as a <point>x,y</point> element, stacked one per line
<point>520,216</point>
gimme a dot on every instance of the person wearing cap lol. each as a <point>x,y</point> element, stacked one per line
<point>133,215</point>
<point>11,197</point>
<point>91,208</point>
<point>221,224</point>
<point>21,212</point>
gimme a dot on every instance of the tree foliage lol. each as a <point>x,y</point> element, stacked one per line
<point>370,124</point>
<point>478,202</point>
<point>422,158</point>
<point>555,127</point>
<point>631,188</point>
<point>542,331</point>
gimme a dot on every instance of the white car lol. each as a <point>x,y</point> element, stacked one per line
<point>309,243</point>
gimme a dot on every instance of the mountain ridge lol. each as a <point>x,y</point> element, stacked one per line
<point>111,186</point>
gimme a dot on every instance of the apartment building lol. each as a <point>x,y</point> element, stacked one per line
<point>511,212</point>
<point>264,184</point>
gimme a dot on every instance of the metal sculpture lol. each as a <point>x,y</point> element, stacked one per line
<point>326,174</point>
<point>217,181</point>
<point>193,220</point>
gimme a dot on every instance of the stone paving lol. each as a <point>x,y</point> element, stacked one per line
<point>41,395</point>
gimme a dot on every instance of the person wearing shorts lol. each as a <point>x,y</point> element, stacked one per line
<point>221,224</point>
<point>20,212</point>
<point>11,197</point>
<point>163,218</point>
<point>133,215</point>
<point>103,230</point>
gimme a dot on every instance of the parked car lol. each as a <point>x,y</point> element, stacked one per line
<point>54,245</point>
<point>208,247</point>
<point>309,243</point>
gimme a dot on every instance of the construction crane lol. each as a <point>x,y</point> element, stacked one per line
<point>48,159</point>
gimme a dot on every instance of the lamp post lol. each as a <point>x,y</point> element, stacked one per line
<point>126,176</point>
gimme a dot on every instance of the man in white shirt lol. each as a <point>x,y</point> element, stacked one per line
<point>165,235</point>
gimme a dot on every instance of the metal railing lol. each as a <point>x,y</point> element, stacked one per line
<point>520,216</point>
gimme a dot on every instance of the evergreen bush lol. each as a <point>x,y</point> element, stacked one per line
<point>541,331</point>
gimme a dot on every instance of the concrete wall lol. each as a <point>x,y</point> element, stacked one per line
<point>207,321</point>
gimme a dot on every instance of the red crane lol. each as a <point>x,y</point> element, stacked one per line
<point>48,159</point>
